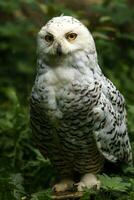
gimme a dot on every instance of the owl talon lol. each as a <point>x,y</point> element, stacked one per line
<point>88,181</point>
<point>63,186</point>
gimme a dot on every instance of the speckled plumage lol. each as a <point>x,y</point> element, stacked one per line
<point>77,115</point>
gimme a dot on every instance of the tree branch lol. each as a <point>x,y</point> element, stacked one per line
<point>67,196</point>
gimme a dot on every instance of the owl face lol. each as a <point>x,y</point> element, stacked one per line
<point>64,35</point>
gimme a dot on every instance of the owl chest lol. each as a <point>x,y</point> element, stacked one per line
<point>67,117</point>
<point>67,103</point>
<point>63,92</point>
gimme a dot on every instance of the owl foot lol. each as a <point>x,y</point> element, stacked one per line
<point>63,186</point>
<point>88,181</point>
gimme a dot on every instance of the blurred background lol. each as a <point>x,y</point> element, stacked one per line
<point>23,170</point>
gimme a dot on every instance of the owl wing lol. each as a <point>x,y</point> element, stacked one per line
<point>110,129</point>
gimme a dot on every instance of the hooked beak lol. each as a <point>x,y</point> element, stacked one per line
<point>59,50</point>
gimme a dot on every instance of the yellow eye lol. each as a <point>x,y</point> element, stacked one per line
<point>49,38</point>
<point>71,36</point>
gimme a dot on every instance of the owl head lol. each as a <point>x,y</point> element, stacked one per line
<point>64,35</point>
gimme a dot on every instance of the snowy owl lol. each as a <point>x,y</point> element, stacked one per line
<point>77,115</point>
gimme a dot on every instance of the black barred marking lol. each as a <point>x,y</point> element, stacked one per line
<point>70,147</point>
<point>111,131</point>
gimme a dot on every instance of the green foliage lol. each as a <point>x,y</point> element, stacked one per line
<point>113,187</point>
<point>113,183</point>
<point>24,173</point>
<point>11,187</point>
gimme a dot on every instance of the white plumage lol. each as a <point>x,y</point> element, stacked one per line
<point>77,114</point>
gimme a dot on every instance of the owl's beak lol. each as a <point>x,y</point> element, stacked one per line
<point>59,50</point>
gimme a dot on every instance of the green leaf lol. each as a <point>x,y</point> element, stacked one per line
<point>113,183</point>
<point>11,187</point>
